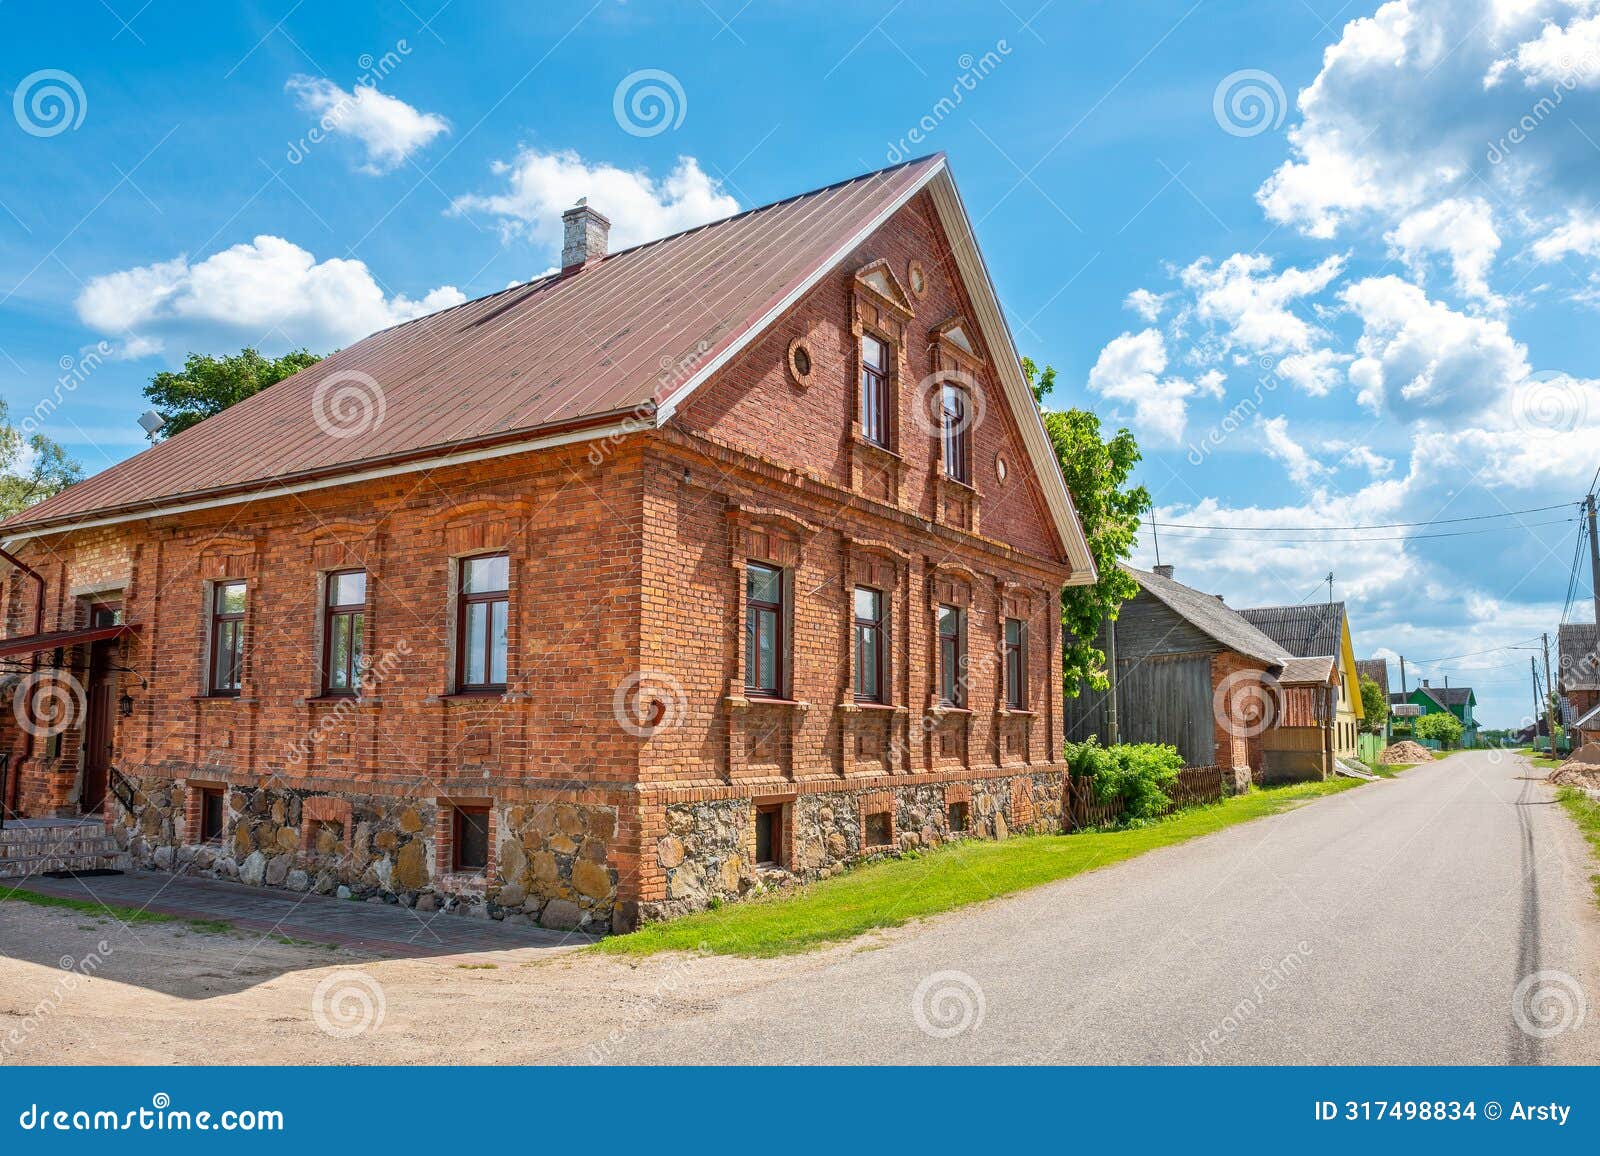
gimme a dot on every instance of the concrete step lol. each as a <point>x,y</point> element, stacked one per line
<point>103,846</point>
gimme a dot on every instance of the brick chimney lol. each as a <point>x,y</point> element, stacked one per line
<point>584,232</point>
<point>1424,682</point>
<point>1163,568</point>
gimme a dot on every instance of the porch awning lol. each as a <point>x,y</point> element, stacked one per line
<point>33,643</point>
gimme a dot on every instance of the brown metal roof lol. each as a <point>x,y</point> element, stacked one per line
<point>33,643</point>
<point>551,354</point>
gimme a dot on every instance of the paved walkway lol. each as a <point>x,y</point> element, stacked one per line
<point>380,928</point>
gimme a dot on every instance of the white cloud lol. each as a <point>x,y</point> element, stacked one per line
<point>541,185</point>
<point>1580,235</point>
<point>1315,373</point>
<point>387,127</point>
<point>1255,306</point>
<point>1302,468</point>
<point>269,292</point>
<point>1365,458</point>
<point>1146,304</point>
<point>1566,55</point>
<point>1475,162</point>
<point>1462,229</point>
<point>1421,358</point>
<point>1129,369</point>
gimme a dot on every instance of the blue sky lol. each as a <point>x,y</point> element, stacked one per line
<point>1336,265</point>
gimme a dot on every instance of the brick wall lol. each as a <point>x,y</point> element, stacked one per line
<point>625,755</point>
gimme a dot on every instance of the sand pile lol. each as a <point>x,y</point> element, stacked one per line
<point>1582,769</point>
<point>1405,754</point>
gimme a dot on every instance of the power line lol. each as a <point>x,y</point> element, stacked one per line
<point>1523,645</point>
<point>1389,538</point>
<point>1373,525</point>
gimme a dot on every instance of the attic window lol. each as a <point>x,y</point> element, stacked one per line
<point>800,363</point>
<point>917,279</point>
<point>1001,468</point>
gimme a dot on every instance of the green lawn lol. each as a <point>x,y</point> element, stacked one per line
<point>112,911</point>
<point>892,892</point>
<point>1586,813</point>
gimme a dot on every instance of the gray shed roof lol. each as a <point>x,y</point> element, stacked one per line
<point>1211,616</point>
<point>1304,631</point>
<point>1580,666</point>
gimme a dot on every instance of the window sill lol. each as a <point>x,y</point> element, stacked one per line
<point>220,698</point>
<point>957,483</point>
<point>473,696</point>
<point>945,708</point>
<point>1018,711</point>
<point>357,699</point>
<point>867,443</point>
<point>744,701</point>
<point>885,707</point>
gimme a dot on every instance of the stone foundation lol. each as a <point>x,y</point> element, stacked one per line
<point>708,853</point>
<point>549,865</point>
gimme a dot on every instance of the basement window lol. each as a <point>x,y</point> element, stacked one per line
<point>469,843</point>
<point>958,817</point>
<point>880,829</point>
<point>769,836</point>
<point>212,815</point>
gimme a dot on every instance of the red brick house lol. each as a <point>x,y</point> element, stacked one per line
<point>1579,679</point>
<point>728,557</point>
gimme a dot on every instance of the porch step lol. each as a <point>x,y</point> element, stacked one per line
<point>35,847</point>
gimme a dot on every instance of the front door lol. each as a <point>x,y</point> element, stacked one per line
<point>98,729</point>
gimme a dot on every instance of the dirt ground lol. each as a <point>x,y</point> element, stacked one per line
<point>76,989</point>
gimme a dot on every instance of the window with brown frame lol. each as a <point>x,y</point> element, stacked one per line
<point>954,422</point>
<point>212,814</point>
<point>469,840</point>
<point>872,646</point>
<point>343,622</point>
<point>875,390</point>
<point>226,668</point>
<point>769,835</point>
<point>1016,664</point>
<point>952,644</point>
<point>484,604</point>
<point>764,643</point>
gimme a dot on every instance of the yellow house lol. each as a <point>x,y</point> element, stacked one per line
<point>1321,630</point>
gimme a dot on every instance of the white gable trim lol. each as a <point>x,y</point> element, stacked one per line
<point>992,325</point>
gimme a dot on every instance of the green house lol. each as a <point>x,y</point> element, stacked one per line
<point>1458,700</point>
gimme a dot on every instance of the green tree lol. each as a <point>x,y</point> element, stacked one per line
<point>208,385</point>
<point>1442,726</point>
<point>1373,706</point>
<point>1096,471</point>
<point>32,467</point>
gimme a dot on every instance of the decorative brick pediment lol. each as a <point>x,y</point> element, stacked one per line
<point>766,535</point>
<point>950,584</point>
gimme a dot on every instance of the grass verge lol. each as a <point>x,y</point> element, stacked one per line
<point>895,891</point>
<point>128,915</point>
<point>1585,813</point>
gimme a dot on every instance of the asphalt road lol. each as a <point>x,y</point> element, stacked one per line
<point>1401,922</point>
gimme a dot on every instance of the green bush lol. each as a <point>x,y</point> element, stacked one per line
<point>1442,727</point>
<point>1139,772</point>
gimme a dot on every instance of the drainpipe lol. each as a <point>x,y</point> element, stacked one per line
<point>14,779</point>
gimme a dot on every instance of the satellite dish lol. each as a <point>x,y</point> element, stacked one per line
<point>151,422</point>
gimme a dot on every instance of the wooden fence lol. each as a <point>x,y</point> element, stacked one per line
<point>1195,787</point>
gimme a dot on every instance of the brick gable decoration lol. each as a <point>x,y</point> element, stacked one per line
<point>611,649</point>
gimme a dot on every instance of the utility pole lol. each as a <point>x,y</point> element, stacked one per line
<point>1156,536</point>
<point>1594,558</point>
<point>1549,694</point>
<point>1403,691</point>
<point>1533,667</point>
<point>1111,666</point>
<point>1330,587</point>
